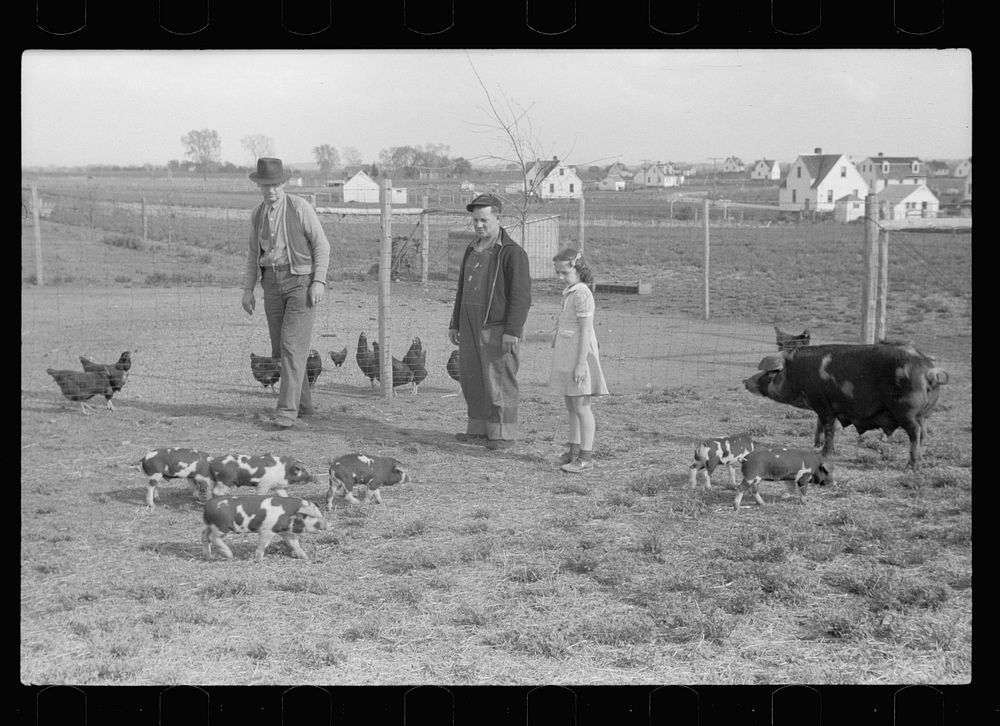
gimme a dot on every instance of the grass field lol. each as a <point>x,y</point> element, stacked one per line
<point>491,567</point>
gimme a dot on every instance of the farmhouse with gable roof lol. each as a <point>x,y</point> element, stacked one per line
<point>554,180</point>
<point>815,181</point>
<point>881,171</point>
<point>765,169</point>
<point>902,201</point>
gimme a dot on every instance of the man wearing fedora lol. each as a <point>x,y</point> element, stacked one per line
<point>487,325</point>
<point>289,254</point>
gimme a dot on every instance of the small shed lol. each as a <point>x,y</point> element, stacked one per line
<point>848,208</point>
<point>541,242</point>
<point>362,188</point>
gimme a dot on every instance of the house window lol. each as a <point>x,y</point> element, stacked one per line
<point>561,172</point>
<point>885,167</point>
<point>571,188</point>
<point>552,188</point>
<point>798,173</point>
<point>793,196</point>
<point>829,196</point>
<point>843,171</point>
<point>916,167</point>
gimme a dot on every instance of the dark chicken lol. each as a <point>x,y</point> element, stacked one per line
<point>266,370</point>
<point>314,366</point>
<point>83,385</point>
<point>401,373</point>
<point>117,371</point>
<point>338,356</point>
<point>452,365</point>
<point>366,360</point>
<point>416,360</point>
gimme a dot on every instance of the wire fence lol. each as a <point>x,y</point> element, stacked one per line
<point>171,267</point>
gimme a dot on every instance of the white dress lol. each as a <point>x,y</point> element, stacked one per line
<point>578,302</point>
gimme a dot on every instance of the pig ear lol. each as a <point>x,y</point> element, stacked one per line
<point>826,468</point>
<point>772,363</point>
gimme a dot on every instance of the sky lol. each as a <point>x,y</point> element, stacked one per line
<point>587,107</point>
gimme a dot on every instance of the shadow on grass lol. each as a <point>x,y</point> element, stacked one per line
<point>170,497</point>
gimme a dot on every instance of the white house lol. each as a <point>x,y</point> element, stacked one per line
<point>765,169</point>
<point>899,201</point>
<point>658,175</point>
<point>815,180</point>
<point>733,165</point>
<point>848,208</point>
<point>881,171</point>
<point>964,168</point>
<point>554,180</point>
<point>362,188</point>
<point>619,169</point>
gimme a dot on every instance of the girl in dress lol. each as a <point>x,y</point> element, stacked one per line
<point>576,364</point>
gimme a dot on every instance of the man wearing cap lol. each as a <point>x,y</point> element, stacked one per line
<point>487,324</point>
<point>289,254</point>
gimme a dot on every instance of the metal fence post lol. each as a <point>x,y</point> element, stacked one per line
<point>706,259</point>
<point>384,277</point>
<point>580,221</point>
<point>883,284</point>
<point>425,240</point>
<point>35,204</point>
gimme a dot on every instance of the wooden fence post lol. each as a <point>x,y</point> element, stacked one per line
<point>580,221</point>
<point>706,258</point>
<point>36,216</point>
<point>425,240</point>
<point>870,291</point>
<point>384,277</point>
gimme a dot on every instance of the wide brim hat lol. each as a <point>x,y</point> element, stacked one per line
<point>270,171</point>
<point>485,200</point>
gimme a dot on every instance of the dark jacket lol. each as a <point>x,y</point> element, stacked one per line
<point>510,287</point>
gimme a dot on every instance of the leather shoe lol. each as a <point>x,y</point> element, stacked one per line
<point>281,422</point>
<point>495,444</point>
<point>308,411</point>
<point>467,438</point>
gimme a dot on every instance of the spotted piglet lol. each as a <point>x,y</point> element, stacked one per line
<point>374,472</point>
<point>179,463</point>
<point>729,450</point>
<point>799,467</point>
<point>267,516</point>
<point>266,473</point>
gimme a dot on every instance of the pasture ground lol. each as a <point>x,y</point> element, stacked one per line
<point>491,567</point>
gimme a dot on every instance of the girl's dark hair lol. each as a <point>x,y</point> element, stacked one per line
<point>577,261</point>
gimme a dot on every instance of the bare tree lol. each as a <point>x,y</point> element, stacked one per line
<point>511,122</point>
<point>203,147</point>
<point>258,145</point>
<point>327,158</point>
<point>352,157</point>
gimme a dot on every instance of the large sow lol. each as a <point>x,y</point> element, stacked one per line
<point>886,385</point>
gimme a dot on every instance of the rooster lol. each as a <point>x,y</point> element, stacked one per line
<point>452,365</point>
<point>416,360</point>
<point>83,385</point>
<point>338,356</point>
<point>266,370</point>
<point>401,373</point>
<point>314,366</point>
<point>117,371</point>
<point>366,360</point>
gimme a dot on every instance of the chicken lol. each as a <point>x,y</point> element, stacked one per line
<point>338,356</point>
<point>416,360</point>
<point>452,365</point>
<point>401,373</point>
<point>83,385</point>
<point>117,371</point>
<point>265,369</point>
<point>314,366</point>
<point>366,360</point>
